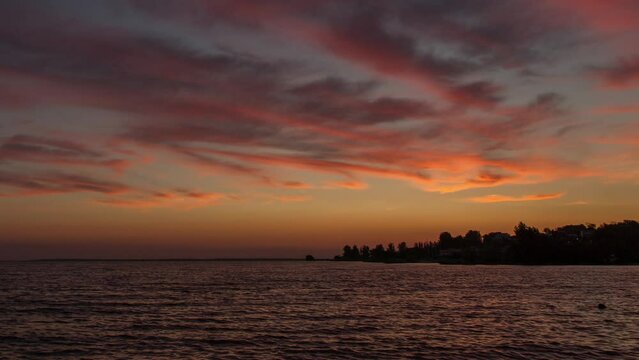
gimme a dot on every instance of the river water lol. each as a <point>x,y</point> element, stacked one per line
<point>315,310</point>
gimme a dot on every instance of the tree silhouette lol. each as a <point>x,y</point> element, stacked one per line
<point>379,253</point>
<point>472,238</point>
<point>366,253</point>
<point>445,240</point>
<point>402,250</point>
<point>347,251</point>
<point>355,253</point>
<point>390,251</point>
<point>614,243</point>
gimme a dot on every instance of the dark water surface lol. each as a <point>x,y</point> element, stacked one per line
<point>316,310</point>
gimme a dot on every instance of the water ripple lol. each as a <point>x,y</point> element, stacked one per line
<point>299,310</point>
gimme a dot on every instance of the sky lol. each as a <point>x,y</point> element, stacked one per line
<point>279,128</point>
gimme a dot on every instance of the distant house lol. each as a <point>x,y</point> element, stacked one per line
<point>574,233</point>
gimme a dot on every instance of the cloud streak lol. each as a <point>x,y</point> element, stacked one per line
<point>25,148</point>
<point>178,198</point>
<point>623,74</point>
<point>57,183</point>
<point>507,198</point>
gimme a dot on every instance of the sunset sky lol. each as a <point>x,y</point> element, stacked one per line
<point>279,128</point>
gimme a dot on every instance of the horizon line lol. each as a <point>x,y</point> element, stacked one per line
<point>164,259</point>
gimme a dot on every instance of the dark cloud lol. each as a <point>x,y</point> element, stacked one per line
<point>26,148</point>
<point>424,42</point>
<point>624,73</point>
<point>334,100</point>
<point>54,182</point>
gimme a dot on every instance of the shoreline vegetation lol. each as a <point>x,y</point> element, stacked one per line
<point>584,244</point>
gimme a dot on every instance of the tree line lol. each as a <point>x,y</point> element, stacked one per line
<point>608,243</point>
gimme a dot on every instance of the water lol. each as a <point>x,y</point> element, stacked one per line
<point>305,310</point>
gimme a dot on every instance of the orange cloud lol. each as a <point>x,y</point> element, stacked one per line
<point>352,185</point>
<point>179,199</point>
<point>296,185</point>
<point>506,198</point>
<point>293,198</point>
<point>578,203</point>
<point>331,166</point>
<point>131,203</point>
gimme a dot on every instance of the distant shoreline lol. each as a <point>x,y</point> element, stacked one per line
<point>614,243</point>
<point>166,260</point>
<point>303,260</point>
<point>444,263</point>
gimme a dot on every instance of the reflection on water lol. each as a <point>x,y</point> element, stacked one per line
<point>316,310</point>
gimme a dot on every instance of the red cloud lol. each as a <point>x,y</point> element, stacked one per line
<point>623,74</point>
<point>331,166</point>
<point>507,198</point>
<point>364,41</point>
<point>610,16</point>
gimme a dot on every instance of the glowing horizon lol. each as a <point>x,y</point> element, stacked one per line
<point>278,128</point>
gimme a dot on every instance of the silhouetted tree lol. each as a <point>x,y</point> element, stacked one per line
<point>458,242</point>
<point>472,238</point>
<point>497,247</point>
<point>355,255</point>
<point>366,253</point>
<point>402,250</point>
<point>617,242</point>
<point>347,251</point>
<point>530,245</point>
<point>569,244</point>
<point>378,253</point>
<point>390,251</point>
<point>445,240</point>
